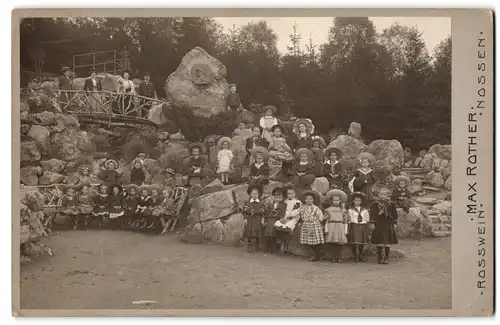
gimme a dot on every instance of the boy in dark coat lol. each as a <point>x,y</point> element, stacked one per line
<point>275,212</point>
<point>253,211</point>
<point>384,215</point>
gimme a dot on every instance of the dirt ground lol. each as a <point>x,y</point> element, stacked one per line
<point>110,270</point>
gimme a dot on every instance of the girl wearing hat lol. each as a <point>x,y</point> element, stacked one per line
<point>384,215</point>
<point>100,203</point>
<point>259,171</point>
<point>286,225</point>
<point>85,203</point>
<point>137,174</point>
<point>311,233</point>
<point>358,218</point>
<point>110,175</point>
<point>304,169</point>
<point>332,168</point>
<point>93,87</point>
<point>268,121</point>
<point>336,223</point>
<point>302,128</point>
<point>131,203</point>
<point>256,140</point>
<point>196,164</point>
<point>117,207</point>
<point>69,204</point>
<point>279,150</point>
<point>401,194</point>
<point>364,177</point>
<point>225,158</point>
<point>253,211</point>
<point>276,211</point>
<point>318,154</point>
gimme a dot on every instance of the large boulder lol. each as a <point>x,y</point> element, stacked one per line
<point>31,197</point>
<point>233,229</point>
<point>43,118</point>
<point>441,151</point>
<point>198,83</point>
<point>53,165</point>
<point>355,130</point>
<point>383,170</point>
<point>49,178</point>
<point>155,114</point>
<point>41,135</point>
<point>212,206</point>
<point>435,179</point>
<point>320,185</point>
<point>215,186</point>
<point>427,162</point>
<point>70,144</point>
<point>415,186</point>
<point>350,146</point>
<point>443,207</point>
<point>25,128</point>
<point>174,155</point>
<point>29,152</point>
<point>447,171</point>
<point>29,176</point>
<point>447,184</point>
<point>390,151</point>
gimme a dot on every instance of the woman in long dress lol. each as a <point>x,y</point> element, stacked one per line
<point>125,91</point>
<point>268,121</point>
<point>93,87</point>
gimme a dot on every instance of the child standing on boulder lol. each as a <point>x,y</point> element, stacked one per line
<point>268,121</point>
<point>225,158</point>
<point>384,215</point>
<point>336,223</point>
<point>318,154</point>
<point>358,218</point>
<point>253,211</point>
<point>196,164</point>
<point>275,212</point>
<point>286,225</point>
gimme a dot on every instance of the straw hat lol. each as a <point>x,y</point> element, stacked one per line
<point>329,151</point>
<point>306,151</point>
<point>335,192</point>
<point>129,187</point>
<point>222,140</point>
<point>256,150</point>
<point>366,155</point>
<point>307,122</point>
<point>269,107</point>
<point>314,194</point>
<point>402,178</point>
<point>111,161</point>
<point>254,186</point>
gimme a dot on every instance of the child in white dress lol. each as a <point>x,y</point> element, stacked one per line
<point>268,121</point>
<point>225,158</point>
<point>285,226</point>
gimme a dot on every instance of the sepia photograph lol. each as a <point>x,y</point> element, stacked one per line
<point>235,163</point>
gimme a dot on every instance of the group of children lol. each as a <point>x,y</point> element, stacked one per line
<point>336,226</point>
<point>115,206</point>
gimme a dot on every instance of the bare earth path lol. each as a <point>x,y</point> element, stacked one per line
<point>109,270</point>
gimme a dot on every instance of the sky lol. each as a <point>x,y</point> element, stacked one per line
<point>434,29</point>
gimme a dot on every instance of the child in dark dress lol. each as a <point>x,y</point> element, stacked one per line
<point>117,207</point>
<point>275,212</point>
<point>196,165</point>
<point>142,206</point>
<point>304,169</point>
<point>364,177</point>
<point>256,140</point>
<point>137,175</point>
<point>69,204</point>
<point>358,218</point>
<point>110,176</point>
<point>131,203</point>
<point>318,154</point>
<point>101,208</point>
<point>384,215</point>
<point>401,194</point>
<point>332,168</point>
<point>154,202</point>
<point>259,171</point>
<point>85,204</point>
<point>286,225</point>
<point>253,211</point>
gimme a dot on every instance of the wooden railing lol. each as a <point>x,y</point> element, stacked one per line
<point>107,102</point>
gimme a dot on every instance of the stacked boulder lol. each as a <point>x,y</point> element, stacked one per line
<point>430,218</point>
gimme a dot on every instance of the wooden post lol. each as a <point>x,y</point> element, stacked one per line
<point>114,62</point>
<point>93,60</point>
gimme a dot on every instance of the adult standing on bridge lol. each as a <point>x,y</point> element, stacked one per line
<point>65,83</point>
<point>146,89</point>
<point>93,87</point>
<point>126,89</point>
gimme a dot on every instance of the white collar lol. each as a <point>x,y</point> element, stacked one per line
<point>303,163</point>
<point>259,165</point>
<point>365,173</point>
<point>254,200</point>
<point>303,135</point>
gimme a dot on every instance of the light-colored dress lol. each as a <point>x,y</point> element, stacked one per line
<point>291,221</point>
<point>311,232</point>
<point>279,149</point>
<point>224,161</point>
<point>336,225</point>
<point>267,123</point>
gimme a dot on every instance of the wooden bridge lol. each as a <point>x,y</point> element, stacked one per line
<point>109,108</point>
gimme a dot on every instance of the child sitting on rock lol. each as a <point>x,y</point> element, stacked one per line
<point>304,169</point>
<point>401,194</point>
<point>268,121</point>
<point>384,215</point>
<point>280,151</point>
<point>110,175</point>
<point>131,203</point>
<point>259,171</point>
<point>101,208</point>
<point>196,164</point>
<point>332,169</point>
<point>253,211</point>
<point>286,225</point>
<point>142,206</point>
<point>166,210</point>
<point>85,204</point>
<point>276,211</point>
<point>311,232</point>
<point>117,207</point>
<point>69,205</point>
<point>154,202</point>
<point>336,223</point>
<point>225,159</point>
<point>256,140</point>
<point>318,154</point>
<point>137,174</point>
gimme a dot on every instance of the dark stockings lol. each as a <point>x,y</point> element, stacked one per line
<point>358,252</point>
<point>316,253</point>
<point>336,253</point>
<point>381,258</point>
